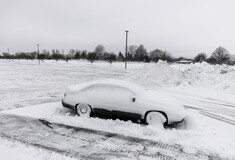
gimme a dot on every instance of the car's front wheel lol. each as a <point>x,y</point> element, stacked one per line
<point>155,119</point>
<point>83,110</point>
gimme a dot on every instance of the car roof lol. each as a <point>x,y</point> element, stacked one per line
<point>109,82</point>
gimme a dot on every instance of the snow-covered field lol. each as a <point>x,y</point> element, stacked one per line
<point>207,91</point>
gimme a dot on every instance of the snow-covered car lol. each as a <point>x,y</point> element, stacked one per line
<point>123,100</point>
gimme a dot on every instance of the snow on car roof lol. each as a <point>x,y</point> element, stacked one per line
<point>111,82</point>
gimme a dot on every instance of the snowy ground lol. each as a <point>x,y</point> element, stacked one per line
<point>206,91</point>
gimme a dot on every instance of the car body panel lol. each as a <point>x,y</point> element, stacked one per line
<point>115,97</point>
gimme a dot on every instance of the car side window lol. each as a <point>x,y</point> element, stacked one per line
<point>109,91</point>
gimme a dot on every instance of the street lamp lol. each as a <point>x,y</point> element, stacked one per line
<point>126,49</point>
<point>38,54</point>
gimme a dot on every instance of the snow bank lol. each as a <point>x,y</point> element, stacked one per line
<point>159,74</point>
<point>163,75</point>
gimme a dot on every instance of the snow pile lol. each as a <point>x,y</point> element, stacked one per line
<point>159,74</point>
<point>204,74</point>
<point>162,75</point>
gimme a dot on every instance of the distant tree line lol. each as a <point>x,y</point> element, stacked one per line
<point>219,56</point>
<point>134,54</point>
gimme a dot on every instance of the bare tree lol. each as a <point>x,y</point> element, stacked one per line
<point>120,57</point>
<point>111,58</point>
<point>6,55</point>
<point>91,56</point>
<point>41,56</point>
<point>157,54</point>
<point>71,53</point>
<point>99,50</point>
<point>131,51</point>
<point>200,57</point>
<point>140,53</point>
<point>220,55</point>
<point>56,54</point>
<point>77,54</point>
<point>46,54</point>
<point>84,54</point>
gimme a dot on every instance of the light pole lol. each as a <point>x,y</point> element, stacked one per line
<point>38,54</point>
<point>8,51</point>
<point>126,48</point>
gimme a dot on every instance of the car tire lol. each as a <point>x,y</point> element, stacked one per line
<point>83,110</point>
<point>155,119</point>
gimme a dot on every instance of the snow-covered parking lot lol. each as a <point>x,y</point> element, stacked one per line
<point>206,91</point>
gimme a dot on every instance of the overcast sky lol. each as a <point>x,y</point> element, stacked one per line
<point>182,27</point>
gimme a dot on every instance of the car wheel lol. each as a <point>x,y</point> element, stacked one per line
<point>83,110</point>
<point>155,119</point>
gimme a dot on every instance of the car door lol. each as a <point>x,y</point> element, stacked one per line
<point>113,100</point>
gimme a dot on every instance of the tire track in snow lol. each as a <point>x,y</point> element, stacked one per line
<point>209,113</point>
<point>210,104</point>
<point>82,143</point>
<point>215,116</point>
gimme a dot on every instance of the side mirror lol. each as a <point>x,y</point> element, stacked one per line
<point>133,99</point>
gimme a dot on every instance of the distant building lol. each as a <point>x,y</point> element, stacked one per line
<point>184,62</point>
<point>232,57</point>
<point>232,60</point>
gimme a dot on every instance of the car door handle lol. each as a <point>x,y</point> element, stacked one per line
<point>133,99</point>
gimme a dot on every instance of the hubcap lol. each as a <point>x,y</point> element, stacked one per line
<point>83,109</point>
<point>155,118</point>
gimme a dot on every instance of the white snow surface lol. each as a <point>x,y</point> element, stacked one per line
<point>207,89</point>
<point>16,151</point>
<point>197,131</point>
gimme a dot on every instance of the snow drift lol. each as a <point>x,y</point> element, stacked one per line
<point>162,75</point>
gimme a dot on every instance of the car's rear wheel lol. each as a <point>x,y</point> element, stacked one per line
<point>155,119</point>
<point>83,110</point>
